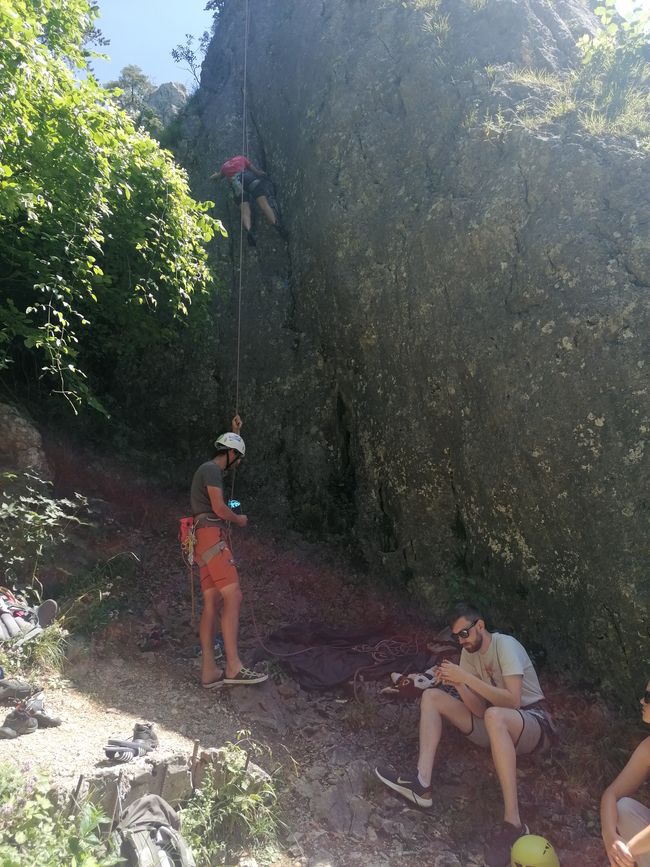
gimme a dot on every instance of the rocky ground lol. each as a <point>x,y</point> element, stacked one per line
<point>322,747</point>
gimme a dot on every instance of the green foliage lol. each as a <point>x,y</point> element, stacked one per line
<point>608,94</point>
<point>96,221</point>
<point>131,91</point>
<point>437,25</point>
<point>33,525</point>
<point>238,812</point>
<point>190,57</point>
<point>34,830</point>
<point>37,658</point>
<point>94,599</point>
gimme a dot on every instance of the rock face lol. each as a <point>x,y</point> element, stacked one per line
<point>167,100</point>
<point>21,446</point>
<point>450,357</point>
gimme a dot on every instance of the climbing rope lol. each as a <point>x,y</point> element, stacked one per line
<point>244,146</point>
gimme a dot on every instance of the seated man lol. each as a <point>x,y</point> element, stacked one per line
<point>500,704</point>
<point>625,823</point>
<point>248,184</point>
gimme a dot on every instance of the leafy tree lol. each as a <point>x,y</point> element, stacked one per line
<point>134,86</point>
<point>99,236</point>
<point>189,57</point>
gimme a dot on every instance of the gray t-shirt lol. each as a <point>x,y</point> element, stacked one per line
<point>207,474</point>
<point>504,656</point>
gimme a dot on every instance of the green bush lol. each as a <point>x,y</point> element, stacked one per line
<point>35,831</point>
<point>33,526</point>
<point>239,811</point>
<point>608,93</point>
<point>101,244</point>
<point>96,598</point>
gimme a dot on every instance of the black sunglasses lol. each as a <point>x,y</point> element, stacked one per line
<point>462,634</point>
<point>646,697</point>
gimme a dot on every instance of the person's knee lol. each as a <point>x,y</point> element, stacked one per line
<point>232,596</point>
<point>495,720</point>
<point>432,699</point>
<point>211,601</point>
<point>625,806</point>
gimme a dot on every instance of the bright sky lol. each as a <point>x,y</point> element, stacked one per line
<point>143,33</point>
<point>626,6</point>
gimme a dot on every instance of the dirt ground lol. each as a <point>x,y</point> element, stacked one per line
<point>140,667</point>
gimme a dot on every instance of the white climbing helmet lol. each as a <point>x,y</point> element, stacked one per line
<point>229,441</point>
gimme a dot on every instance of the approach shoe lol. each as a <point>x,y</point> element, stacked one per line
<point>35,707</point>
<point>504,837</point>
<point>13,689</point>
<point>143,733</point>
<point>246,676</point>
<point>18,722</point>
<point>408,787</point>
<point>144,740</point>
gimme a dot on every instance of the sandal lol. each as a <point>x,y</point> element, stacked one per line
<point>214,684</point>
<point>246,676</point>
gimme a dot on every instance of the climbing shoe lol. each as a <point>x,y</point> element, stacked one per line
<point>497,850</point>
<point>282,231</point>
<point>408,786</point>
<point>250,237</point>
<point>18,722</point>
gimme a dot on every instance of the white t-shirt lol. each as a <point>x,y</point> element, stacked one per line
<point>504,656</point>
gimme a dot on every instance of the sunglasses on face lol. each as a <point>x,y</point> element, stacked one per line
<point>462,634</point>
<point>646,697</point>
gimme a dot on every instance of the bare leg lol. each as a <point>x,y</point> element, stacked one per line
<point>207,632</point>
<point>245,209</point>
<point>435,706</point>
<point>504,726</point>
<point>230,627</point>
<point>268,211</point>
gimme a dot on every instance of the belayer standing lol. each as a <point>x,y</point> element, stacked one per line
<point>217,570</point>
<point>248,184</point>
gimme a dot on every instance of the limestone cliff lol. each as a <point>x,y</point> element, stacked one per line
<point>450,357</point>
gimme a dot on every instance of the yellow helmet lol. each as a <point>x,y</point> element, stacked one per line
<point>533,851</point>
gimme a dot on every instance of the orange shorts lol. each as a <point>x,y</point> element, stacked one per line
<point>219,570</point>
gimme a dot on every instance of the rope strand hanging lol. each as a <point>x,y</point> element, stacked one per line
<point>244,135</point>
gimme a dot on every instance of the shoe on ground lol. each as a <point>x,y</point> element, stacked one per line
<point>246,676</point>
<point>504,837</point>
<point>46,612</point>
<point>35,707</point>
<point>143,733</point>
<point>408,786</point>
<point>11,688</point>
<point>124,751</point>
<point>20,722</point>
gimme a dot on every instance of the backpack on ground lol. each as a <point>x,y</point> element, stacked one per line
<point>148,835</point>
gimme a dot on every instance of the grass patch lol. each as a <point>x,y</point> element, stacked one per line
<point>36,831</point>
<point>41,656</point>
<point>607,94</point>
<point>233,810</point>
